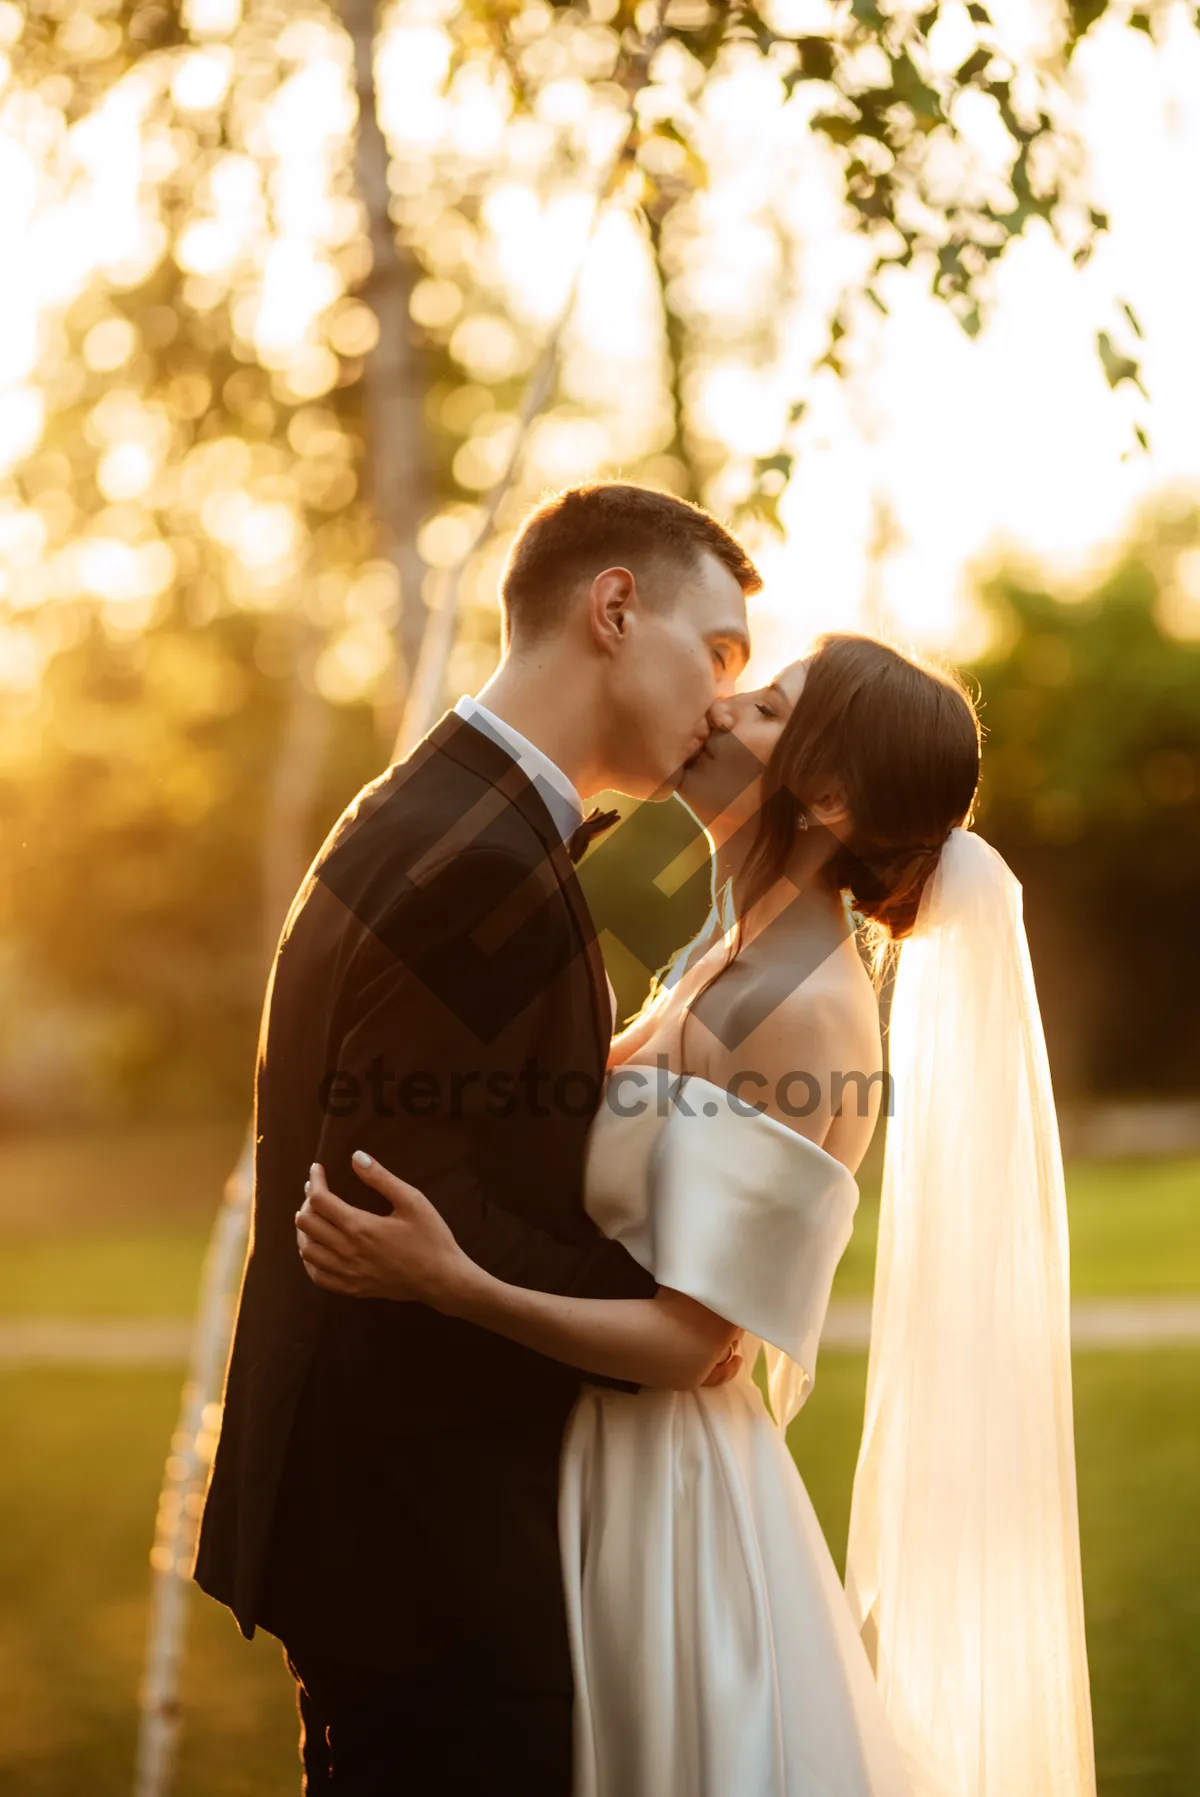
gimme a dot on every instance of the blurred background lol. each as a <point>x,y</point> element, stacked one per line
<point>300,308</point>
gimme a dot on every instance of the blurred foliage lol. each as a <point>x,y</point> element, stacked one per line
<point>132,818</point>
<point>1091,789</point>
<point>194,353</point>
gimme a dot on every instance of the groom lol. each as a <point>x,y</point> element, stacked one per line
<point>384,1494</point>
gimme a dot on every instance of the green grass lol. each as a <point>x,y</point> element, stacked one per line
<point>152,1273</point>
<point>1135,1226</point>
<point>77,1492</point>
<point>1135,1230</point>
<point>78,1485</point>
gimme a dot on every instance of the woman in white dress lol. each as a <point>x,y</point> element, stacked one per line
<point>716,1653</point>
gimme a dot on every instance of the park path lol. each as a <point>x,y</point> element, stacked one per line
<point>1095,1323</point>
<point>164,1341</point>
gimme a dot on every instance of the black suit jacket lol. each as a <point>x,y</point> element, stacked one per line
<point>385,1482</point>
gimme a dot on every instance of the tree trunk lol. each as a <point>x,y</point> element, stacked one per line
<point>399,458</point>
<point>675,348</point>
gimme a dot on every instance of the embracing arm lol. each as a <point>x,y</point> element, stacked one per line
<point>668,1340</point>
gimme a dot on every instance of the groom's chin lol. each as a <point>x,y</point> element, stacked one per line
<point>668,788</point>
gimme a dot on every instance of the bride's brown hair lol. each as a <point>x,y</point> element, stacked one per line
<point>901,738</point>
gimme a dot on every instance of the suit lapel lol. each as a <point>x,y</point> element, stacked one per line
<point>456,737</point>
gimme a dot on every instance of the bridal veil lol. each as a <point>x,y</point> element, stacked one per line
<point>963,1566</point>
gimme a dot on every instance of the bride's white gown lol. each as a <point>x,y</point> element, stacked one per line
<point>713,1646</point>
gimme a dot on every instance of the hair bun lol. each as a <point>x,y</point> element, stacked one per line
<point>887,886</point>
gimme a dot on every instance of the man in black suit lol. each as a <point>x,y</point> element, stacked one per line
<point>384,1493</point>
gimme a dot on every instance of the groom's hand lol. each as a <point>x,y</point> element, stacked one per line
<point>409,1256</point>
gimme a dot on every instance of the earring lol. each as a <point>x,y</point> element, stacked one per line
<point>802,821</point>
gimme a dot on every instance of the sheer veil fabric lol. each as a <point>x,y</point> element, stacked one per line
<point>963,1568</point>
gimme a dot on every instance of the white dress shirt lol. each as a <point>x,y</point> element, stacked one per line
<point>553,788</point>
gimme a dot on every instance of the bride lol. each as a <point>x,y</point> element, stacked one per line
<point>715,1652</point>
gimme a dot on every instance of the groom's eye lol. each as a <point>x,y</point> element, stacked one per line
<point>721,657</point>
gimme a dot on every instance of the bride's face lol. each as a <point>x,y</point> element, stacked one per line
<point>724,780</point>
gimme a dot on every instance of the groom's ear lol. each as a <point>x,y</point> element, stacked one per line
<point>609,600</point>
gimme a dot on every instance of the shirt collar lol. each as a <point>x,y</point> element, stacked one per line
<point>553,788</point>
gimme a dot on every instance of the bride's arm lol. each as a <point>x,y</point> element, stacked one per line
<point>668,1341</point>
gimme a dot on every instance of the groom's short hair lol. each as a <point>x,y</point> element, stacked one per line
<point>578,533</point>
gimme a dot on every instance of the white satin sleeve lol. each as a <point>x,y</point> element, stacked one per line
<point>739,1212</point>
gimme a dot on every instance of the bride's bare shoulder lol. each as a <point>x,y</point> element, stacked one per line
<point>795,1054</point>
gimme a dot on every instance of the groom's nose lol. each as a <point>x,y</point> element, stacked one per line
<point>720,715</point>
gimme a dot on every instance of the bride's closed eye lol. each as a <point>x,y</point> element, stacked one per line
<point>766,710</point>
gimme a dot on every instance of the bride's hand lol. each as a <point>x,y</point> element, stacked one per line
<point>410,1255</point>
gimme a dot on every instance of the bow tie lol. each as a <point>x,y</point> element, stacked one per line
<point>593,825</point>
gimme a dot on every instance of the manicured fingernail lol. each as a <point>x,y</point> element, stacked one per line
<point>313,1169</point>
<point>307,1190</point>
<point>360,1159</point>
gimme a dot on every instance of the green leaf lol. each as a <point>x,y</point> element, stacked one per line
<point>914,90</point>
<point>1084,13</point>
<point>1117,368</point>
<point>867,13</point>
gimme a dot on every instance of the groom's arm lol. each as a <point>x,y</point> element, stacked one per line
<point>447,1007</point>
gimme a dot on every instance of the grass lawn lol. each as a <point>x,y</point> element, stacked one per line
<point>152,1272</point>
<point>78,1486</point>
<point>77,1491</point>
<point>1135,1229</point>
